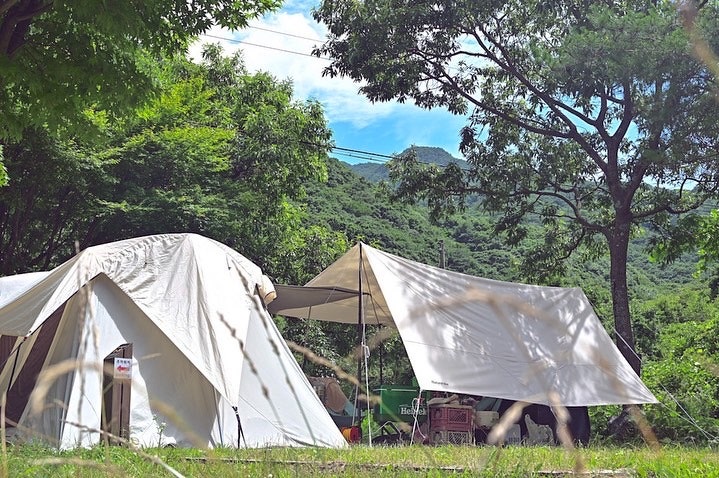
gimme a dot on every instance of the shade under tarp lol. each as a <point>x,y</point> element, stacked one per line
<point>476,336</point>
<point>295,297</point>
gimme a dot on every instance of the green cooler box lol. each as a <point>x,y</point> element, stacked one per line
<point>398,402</point>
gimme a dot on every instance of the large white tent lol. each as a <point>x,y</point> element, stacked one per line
<point>209,367</point>
<point>475,336</point>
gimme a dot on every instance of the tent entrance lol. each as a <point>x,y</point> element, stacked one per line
<point>116,388</point>
<point>22,362</point>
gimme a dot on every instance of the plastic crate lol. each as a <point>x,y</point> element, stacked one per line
<point>398,403</point>
<point>450,437</point>
<point>451,417</point>
<point>485,419</point>
<point>514,435</point>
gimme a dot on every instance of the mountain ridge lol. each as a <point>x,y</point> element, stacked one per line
<point>376,172</point>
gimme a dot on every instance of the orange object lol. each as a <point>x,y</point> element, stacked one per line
<point>352,434</point>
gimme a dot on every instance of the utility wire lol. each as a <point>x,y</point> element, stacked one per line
<point>355,153</point>
<point>232,40</point>
<point>376,157</point>
<point>369,155</point>
<point>365,158</point>
<point>285,33</point>
<point>348,150</point>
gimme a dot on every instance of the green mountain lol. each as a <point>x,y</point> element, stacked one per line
<point>375,172</point>
<point>372,172</point>
<point>675,316</point>
<point>353,204</point>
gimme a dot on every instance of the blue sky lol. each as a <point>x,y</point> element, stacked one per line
<point>280,43</point>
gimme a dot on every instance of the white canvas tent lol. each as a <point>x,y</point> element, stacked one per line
<point>203,346</point>
<point>475,336</point>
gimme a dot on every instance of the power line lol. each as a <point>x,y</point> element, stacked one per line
<point>355,156</point>
<point>367,155</point>
<point>233,40</point>
<point>349,150</point>
<point>355,153</point>
<point>284,33</point>
<point>384,159</point>
<point>365,158</point>
<point>277,32</point>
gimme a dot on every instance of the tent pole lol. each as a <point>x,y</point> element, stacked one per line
<point>380,346</point>
<point>362,356</point>
<point>360,352</point>
<point>360,315</point>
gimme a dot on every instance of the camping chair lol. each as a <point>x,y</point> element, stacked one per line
<point>341,410</point>
<point>347,417</point>
<point>389,434</point>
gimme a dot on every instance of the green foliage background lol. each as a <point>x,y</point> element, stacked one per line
<point>674,311</point>
<point>231,155</point>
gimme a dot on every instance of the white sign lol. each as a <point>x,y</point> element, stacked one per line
<point>123,368</point>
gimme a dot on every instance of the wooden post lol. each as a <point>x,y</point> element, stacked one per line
<point>117,385</point>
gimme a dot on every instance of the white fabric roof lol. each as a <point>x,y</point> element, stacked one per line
<point>465,334</point>
<point>203,343</point>
<point>13,286</point>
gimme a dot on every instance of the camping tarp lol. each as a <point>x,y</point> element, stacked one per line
<point>203,347</point>
<point>476,336</point>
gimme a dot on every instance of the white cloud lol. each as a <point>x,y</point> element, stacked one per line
<point>281,44</point>
<point>286,55</point>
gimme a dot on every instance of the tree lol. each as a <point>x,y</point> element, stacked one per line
<point>219,152</point>
<point>594,116</point>
<point>61,58</point>
<point>54,199</point>
<point>698,232</point>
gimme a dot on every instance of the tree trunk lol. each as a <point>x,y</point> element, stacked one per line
<point>624,336</point>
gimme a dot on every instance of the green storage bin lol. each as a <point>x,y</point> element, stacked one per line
<point>397,404</point>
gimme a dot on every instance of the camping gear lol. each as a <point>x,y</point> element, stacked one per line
<point>208,366</point>
<point>343,412</point>
<point>475,336</point>
<point>400,403</point>
<point>486,419</point>
<point>451,424</point>
<point>514,435</point>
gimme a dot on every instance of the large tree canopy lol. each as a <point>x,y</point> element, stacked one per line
<point>596,116</point>
<point>60,57</point>
<point>219,152</point>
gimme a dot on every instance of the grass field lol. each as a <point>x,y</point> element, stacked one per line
<point>365,461</point>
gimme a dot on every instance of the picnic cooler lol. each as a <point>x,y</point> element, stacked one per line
<point>451,424</point>
<point>397,403</point>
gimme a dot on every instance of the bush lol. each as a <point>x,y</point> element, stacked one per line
<point>688,391</point>
<point>685,380</point>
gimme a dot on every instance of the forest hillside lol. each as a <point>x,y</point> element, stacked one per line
<point>675,314</point>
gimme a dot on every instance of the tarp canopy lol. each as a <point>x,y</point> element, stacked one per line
<point>476,336</point>
<point>209,366</point>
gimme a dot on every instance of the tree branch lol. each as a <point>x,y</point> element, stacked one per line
<point>548,100</point>
<point>17,17</point>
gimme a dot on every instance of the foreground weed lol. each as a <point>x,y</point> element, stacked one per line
<point>363,461</point>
